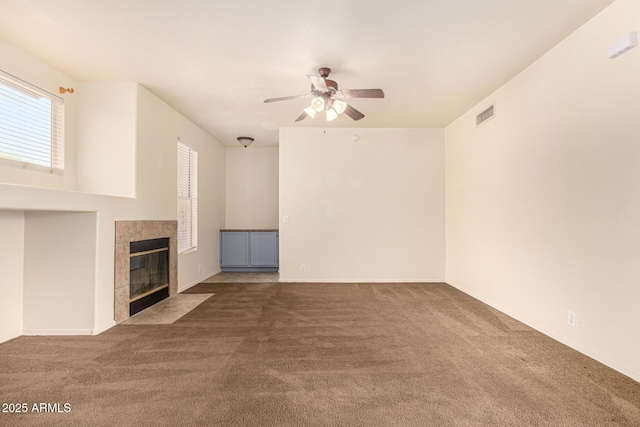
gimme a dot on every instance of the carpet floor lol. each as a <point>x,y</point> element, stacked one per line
<point>285,354</point>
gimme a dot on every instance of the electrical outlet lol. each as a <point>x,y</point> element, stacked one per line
<point>303,267</point>
<point>571,318</point>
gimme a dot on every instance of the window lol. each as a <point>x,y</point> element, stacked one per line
<point>187,198</point>
<point>31,126</point>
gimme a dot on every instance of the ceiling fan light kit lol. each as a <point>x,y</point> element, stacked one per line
<point>317,104</point>
<point>324,92</point>
<point>311,112</point>
<point>331,114</point>
<point>339,106</point>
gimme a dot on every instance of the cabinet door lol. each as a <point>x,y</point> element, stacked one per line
<point>264,249</point>
<point>234,249</point>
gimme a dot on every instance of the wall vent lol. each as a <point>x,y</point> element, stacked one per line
<point>485,115</point>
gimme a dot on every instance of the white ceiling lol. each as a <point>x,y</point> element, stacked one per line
<point>215,61</point>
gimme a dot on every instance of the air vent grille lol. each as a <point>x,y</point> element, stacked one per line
<point>484,116</point>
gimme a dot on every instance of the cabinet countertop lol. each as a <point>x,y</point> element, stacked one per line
<point>249,229</point>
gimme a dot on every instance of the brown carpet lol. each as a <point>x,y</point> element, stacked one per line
<point>283,354</point>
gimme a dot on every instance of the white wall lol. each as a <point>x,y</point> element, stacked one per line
<point>107,138</point>
<point>157,129</point>
<point>59,273</point>
<point>252,188</point>
<point>12,271</point>
<point>25,67</point>
<point>543,201</point>
<point>365,211</point>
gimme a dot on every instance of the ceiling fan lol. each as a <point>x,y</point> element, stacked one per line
<point>327,98</point>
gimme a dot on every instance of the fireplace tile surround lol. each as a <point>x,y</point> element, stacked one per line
<point>132,231</point>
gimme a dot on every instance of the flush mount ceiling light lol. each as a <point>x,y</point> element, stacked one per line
<point>324,92</point>
<point>245,141</point>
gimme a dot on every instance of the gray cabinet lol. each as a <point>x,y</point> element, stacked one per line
<point>234,249</point>
<point>263,249</point>
<point>249,250</point>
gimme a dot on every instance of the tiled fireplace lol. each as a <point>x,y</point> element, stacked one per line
<point>137,231</point>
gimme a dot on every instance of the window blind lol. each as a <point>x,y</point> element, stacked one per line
<point>187,198</point>
<point>31,126</point>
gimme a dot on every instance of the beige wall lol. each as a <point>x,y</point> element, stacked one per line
<point>12,276</point>
<point>543,201</point>
<point>365,211</point>
<point>109,209</point>
<point>107,138</point>
<point>252,187</point>
<point>59,272</point>
<point>157,129</point>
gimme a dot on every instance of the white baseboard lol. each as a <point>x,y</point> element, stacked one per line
<point>101,328</point>
<point>195,282</point>
<point>568,342</point>
<point>53,332</point>
<point>10,336</point>
<point>351,281</point>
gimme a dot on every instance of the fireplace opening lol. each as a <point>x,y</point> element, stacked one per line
<point>148,273</point>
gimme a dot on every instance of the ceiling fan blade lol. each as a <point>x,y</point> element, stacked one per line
<point>301,117</point>
<point>319,83</point>
<point>286,98</point>
<point>353,113</point>
<point>361,93</point>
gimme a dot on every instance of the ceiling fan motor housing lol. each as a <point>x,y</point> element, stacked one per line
<point>324,72</point>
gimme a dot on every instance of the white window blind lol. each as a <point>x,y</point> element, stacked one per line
<point>187,198</point>
<point>31,126</point>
